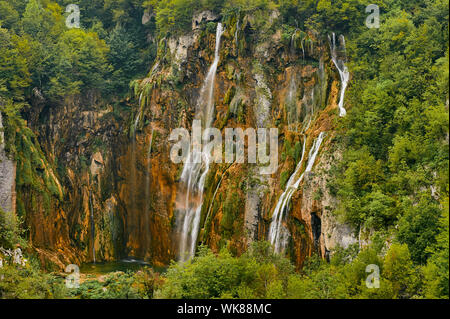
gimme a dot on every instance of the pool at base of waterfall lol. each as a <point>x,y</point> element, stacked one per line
<point>124,265</point>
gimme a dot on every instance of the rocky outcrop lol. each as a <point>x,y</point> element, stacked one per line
<point>113,161</point>
<point>204,16</point>
<point>316,206</point>
<point>7,177</point>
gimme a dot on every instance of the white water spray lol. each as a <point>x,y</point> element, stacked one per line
<point>196,167</point>
<point>342,68</point>
<point>91,204</point>
<point>278,234</point>
<point>236,35</point>
<point>206,110</point>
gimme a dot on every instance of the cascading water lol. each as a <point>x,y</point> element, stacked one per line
<point>342,68</point>
<point>133,161</point>
<point>91,217</point>
<point>148,173</point>
<point>206,110</point>
<point>197,164</point>
<point>236,36</point>
<point>303,49</point>
<point>147,189</point>
<point>311,111</point>
<point>292,44</point>
<point>278,234</point>
<point>291,102</point>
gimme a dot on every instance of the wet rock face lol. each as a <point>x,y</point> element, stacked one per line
<point>114,162</point>
<point>205,16</point>
<point>7,177</point>
<point>315,206</point>
<point>316,229</point>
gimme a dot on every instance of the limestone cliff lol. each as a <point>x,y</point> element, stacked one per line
<point>118,185</point>
<point>7,177</point>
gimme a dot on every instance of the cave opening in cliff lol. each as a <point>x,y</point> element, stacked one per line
<point>316,227</point>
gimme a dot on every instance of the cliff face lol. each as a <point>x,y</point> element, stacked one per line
<point>119,186</point>
<point>7,177</point>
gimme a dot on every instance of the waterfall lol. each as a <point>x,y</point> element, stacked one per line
<point>147,187</point>
<point>133,161</point>
<point>91,204</point>
<point>303,49</point>
<point>291,102</point>
<point>342,68</point>
<point>206,110</point>
<point>138,117</point>
<point>311,111</point>
<point>292,44</point>
<point>278,234</point>
<point>196,166</point>
<point>213,198</point>
<point>149,167</point>
<point>236,36</point>
<point>154,68</point>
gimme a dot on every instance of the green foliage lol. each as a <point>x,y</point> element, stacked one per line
<point>418,228</point>
<point>125,59</point>
<point>398,269</point>
<point>81,63</point>
<point>10,231</point>
<point>119,285</point>
<point>257,273</point>
<point>175,15</point>
<point>394,174</point>
<point>436,272</point>
<point>284,179</point>
<point>8,15</point>
<point>232,211</point>
<point>14,73</point>
<point>29,282</point>
<point>395,167</point>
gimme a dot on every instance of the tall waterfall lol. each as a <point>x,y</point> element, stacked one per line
<point>133,165</point>
<point>291,103</point>
<point>292,43</point>
<point>147,188</point>
<point>236,36</point>
<point>278,234</point>
<point>196,167</point>
<point>342,68</point>
<point>148,172</point>
<point>91,218</point>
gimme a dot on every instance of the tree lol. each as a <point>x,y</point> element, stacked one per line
<point>125,59</point>
<point>400,271</point>
<point>436,283</point>
<point>418,228</point>
<point>14,71</point>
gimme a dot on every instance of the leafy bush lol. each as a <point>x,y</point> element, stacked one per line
<point>17,282</point>
<point>10,232</point>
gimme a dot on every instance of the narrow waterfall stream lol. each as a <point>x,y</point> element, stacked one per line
<point>342,68</point>
<point>291,103</point>
<point>278,234</point>
<point>196,167</point>
<point>148,173</point>
<point>91,218</point>
<point>133,166</point>
<point>236,36</point>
